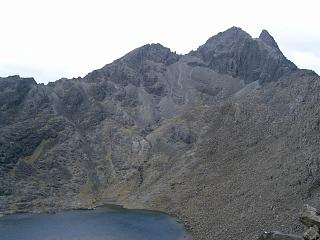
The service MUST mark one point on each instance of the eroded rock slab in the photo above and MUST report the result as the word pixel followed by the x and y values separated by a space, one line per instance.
pixel 279 236
pixel 309 216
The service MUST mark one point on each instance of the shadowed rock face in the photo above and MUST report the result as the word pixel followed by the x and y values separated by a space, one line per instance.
pixel 234 52
pixel 268 39
pixel 225 137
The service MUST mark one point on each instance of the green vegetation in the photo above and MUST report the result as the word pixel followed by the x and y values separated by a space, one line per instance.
pixel 86 190
pixel 38 151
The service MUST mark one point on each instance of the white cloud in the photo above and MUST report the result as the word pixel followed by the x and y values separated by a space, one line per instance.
pixel 67 38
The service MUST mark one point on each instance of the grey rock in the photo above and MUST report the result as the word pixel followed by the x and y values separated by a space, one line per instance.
pixel 231 129
pixel 312 233
pixel 235 52
pixel 268 39
pixel 309 216
pixel 278 236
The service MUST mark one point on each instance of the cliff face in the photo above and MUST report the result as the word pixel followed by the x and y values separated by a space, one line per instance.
pixel 234 52
pixel 225 137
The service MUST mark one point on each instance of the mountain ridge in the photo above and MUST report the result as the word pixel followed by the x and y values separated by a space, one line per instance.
pixel 224 137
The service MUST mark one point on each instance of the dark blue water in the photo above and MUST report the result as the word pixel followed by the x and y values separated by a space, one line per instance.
pixel 100 224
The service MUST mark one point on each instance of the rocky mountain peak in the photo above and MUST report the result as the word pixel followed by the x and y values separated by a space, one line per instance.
pixel 13 90
pixel 228 37
pixel 233 32
pixel 17 78
pixel 16 81
pixel 153 52
pixel 268 39
pixel 236 53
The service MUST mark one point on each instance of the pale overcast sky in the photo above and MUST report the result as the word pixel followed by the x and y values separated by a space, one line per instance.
pixel 51 39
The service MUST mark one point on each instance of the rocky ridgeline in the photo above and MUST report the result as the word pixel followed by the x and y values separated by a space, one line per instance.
pixel 310 218
pixel 230 129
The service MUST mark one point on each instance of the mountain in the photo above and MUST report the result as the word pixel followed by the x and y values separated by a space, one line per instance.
pixel 225 137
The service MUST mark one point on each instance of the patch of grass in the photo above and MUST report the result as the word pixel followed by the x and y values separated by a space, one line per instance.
pixel 86 190
pixel 13 208
pixel 124 189
pixel 37 152
pixel 86 193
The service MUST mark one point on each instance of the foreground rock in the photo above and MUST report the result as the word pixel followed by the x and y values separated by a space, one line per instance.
pixel 309 218
pixel 279 236
pixel 312 233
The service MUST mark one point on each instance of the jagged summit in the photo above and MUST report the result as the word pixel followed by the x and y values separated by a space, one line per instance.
pixel 154 52
pixel 268 39
pixel 236 53
pixel 228 37
pixel 18 78
pixel 233 32
pixel 131 67
pixel 233 52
